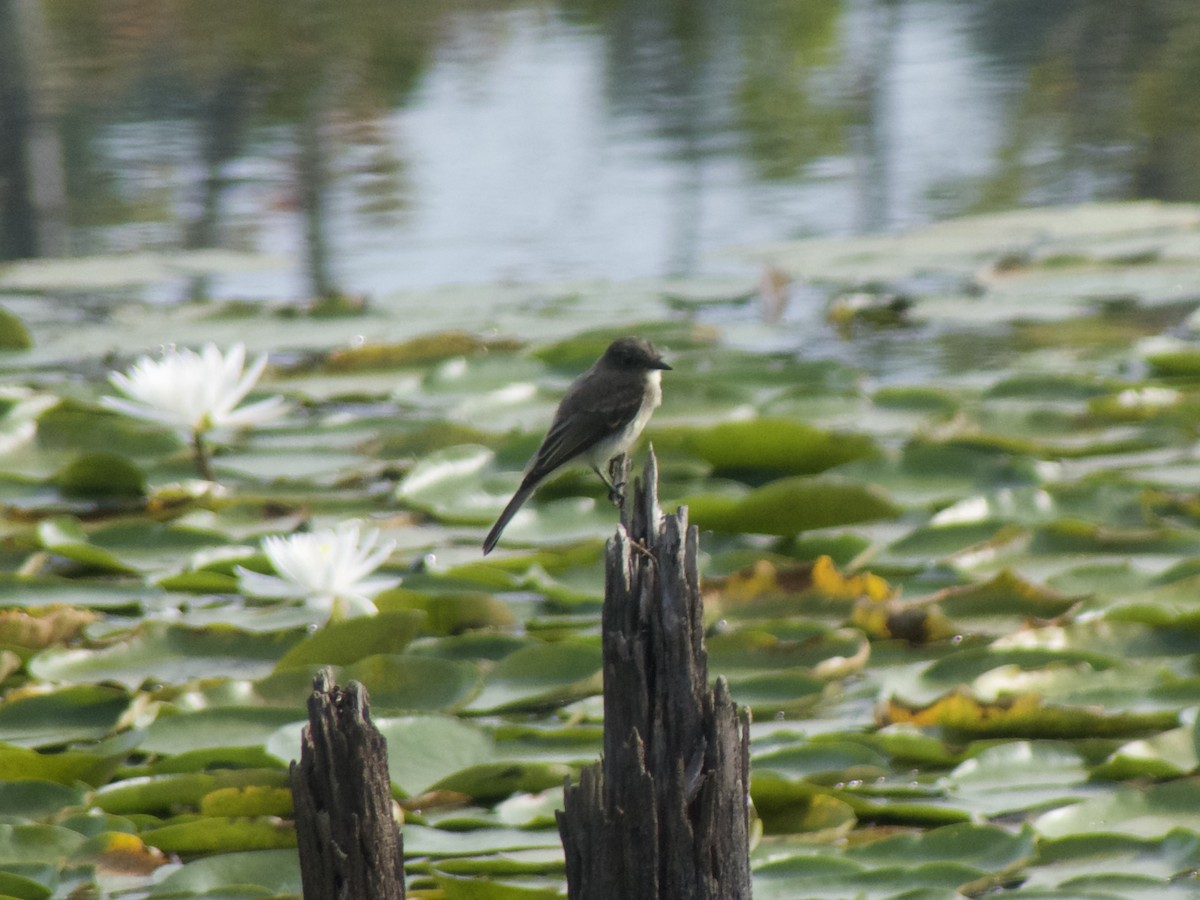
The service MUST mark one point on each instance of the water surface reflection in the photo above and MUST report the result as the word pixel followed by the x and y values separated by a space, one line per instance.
pixel 376 145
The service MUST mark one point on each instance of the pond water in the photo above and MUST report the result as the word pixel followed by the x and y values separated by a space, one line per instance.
pixel 379 147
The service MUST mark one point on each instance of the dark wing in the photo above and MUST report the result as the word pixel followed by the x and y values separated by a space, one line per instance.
pixel 595 408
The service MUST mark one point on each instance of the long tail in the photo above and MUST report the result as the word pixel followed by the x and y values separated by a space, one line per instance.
pixel 517 501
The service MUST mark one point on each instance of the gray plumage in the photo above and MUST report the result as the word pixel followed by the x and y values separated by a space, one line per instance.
pixel 600 416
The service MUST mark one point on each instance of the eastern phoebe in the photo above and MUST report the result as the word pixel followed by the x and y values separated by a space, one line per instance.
pixel 599 418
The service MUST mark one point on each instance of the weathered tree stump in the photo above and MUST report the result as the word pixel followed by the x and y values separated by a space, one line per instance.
pixel 350 845
pixel 664 814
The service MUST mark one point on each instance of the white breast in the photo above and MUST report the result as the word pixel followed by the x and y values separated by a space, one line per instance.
pixel 621 441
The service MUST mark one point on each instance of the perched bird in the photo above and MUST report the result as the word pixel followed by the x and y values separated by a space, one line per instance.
pixel 598 419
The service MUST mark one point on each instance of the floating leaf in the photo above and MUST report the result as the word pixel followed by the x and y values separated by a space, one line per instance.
pixel 64 536
pixel 1019 775
pixel 36 799
pixel 65 767
pixel 76 428
pixel 85 712
pixel 101 474
pixel 821 580
pixel 26 631
pixel 276 871
pixel 988 847
pixel 30 593
pixel 251 800
pixel 167 653
pixel 448 483
pixel 1149 812
pixel 420 351
pixel 118 851
pixel 448 613
pixel 21 888
pixel 37 844
pixel 216 834
pixel 494 781
pixel 541 676
pixel 13 333
pixel 781 446
pixel 969 663
pixel 222 726
pixel 1075 536
pixel 788 807
pixel 1005 594
pixel 821 759
pixel 348 640
pixel 158 793
pixel 423 750
pixel 791 505
pixel 398 683
pixel 1174 364
pixel 1167 755
pixel 1023 716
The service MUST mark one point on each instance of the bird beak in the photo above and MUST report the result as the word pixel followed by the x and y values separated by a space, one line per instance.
pixel 662 365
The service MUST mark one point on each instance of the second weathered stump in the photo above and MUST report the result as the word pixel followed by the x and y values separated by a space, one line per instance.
pixel 350 845
pixel 664 814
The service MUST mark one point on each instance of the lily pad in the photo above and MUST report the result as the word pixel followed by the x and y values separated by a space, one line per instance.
pixel 103 475
pixel 791 505
pixel 166 653
pixel 781 446
pixel 541 676
pixel 339 643
pixel 276 871
pixel 399 683
pixel 1149 812
pixel 84 712
pixel 423 750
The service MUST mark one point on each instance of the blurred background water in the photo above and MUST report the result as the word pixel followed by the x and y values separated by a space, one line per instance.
pixel 375 145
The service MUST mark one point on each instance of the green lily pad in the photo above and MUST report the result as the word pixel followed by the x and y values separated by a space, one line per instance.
pixel 346 641
pixel 12 885
pixel 791 505
pixel 158 793
pixel 66 767
pixel 167 653
pixel 541 676
pixel 448 613
pixel 988 847
pixel 424 750
pixel 276 871
pixel 788 807
pixel 495 781
pixel 84 712
pixel 26 592
pixel 447 484
pixel 14 335
pixel 30 844
pixel 64 536
pixel 102 474
pixel 1019 775
pixel 819 758
pixel 1149 812
pixel 222 726
pixel 73 427
pixel 477 888
pixel 37 799
pixel 1170 754
pixel 401 683
pixel 217 834
pixel 780 446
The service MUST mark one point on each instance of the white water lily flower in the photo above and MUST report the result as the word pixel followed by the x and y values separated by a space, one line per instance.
pixel 327 569
pixel 194 392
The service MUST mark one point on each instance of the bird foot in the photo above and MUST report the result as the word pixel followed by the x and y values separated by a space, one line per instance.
pixel 616 493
